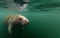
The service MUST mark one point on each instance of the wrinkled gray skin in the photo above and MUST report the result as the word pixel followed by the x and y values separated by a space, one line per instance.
pixel 17 20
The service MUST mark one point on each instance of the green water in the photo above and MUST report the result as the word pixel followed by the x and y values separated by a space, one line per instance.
pixel 44 23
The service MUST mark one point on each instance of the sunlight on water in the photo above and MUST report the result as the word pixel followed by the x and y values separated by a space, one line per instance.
pixel 17 7
pixel 12 6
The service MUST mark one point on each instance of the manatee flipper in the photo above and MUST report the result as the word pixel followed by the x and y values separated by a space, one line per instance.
pixel 10 28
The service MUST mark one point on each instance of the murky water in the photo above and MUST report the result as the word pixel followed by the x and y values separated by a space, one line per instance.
pixel 43 24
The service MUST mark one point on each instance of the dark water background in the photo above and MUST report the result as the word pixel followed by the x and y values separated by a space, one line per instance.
pixel 44 16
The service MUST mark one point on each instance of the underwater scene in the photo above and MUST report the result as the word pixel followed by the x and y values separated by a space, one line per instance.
pixel 43 17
